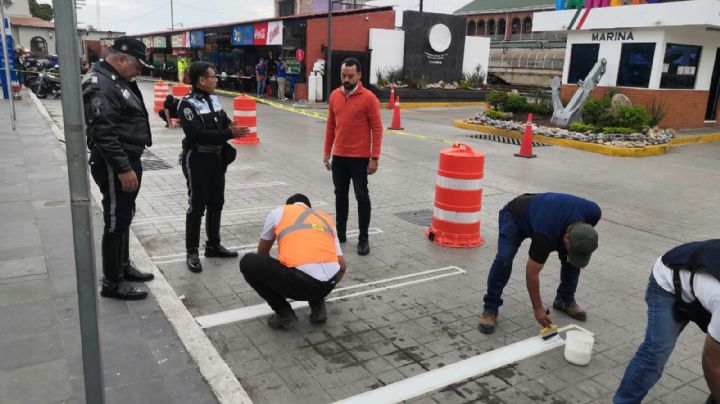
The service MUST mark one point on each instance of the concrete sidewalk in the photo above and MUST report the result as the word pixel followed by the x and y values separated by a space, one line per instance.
pixel 144 361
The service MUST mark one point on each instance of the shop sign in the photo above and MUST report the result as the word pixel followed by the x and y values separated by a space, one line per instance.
pixel 197 39
pixel 243 34
pixel 147 41
pixel 159 42
pixel 275 33
pixel 613 36
pixel 179 40
pixel 260 34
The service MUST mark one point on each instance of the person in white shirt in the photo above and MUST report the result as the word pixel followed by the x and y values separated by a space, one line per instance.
pixel 684 287
pixel 309 265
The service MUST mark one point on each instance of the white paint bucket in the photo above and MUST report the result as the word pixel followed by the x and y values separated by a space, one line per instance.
pixel 578 347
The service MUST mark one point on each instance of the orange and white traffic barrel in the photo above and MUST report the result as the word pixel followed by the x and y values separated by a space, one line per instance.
pixel 458 198
pixel 180 90
pixel 161 92
pixel 245 114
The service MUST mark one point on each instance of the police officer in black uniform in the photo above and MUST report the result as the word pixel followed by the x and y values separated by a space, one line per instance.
pixel 118 131
pixel 205 157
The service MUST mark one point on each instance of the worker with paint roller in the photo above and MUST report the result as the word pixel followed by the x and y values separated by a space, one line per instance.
pixel 554 222
pixel 684 286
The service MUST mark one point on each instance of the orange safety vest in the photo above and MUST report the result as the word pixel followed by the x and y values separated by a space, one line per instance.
pixel 305 236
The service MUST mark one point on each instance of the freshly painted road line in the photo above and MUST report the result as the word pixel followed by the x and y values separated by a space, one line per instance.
pixel 250 312
pixel 438 378
pixel 226 212
pixel 241 249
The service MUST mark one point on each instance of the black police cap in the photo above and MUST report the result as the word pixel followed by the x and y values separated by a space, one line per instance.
pixel 132 47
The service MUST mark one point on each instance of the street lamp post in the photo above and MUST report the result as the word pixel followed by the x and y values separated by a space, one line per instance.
pixel 328 90
pixel 172 18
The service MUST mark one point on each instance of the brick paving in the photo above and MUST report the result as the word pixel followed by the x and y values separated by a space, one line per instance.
pixel 649 205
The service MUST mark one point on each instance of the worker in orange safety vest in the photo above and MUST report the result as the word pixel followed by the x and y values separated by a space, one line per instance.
pixel 309 265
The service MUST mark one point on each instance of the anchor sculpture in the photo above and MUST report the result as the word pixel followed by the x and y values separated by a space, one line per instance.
pixel 564 116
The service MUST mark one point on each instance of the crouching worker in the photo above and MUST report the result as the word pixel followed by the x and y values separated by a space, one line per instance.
pixel 684 287
pixel 310 262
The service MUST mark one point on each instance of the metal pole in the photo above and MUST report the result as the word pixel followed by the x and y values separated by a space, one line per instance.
pixel 7 63
pixel 421 6
pixel 76 150
pixel 328 90
pixel 172 18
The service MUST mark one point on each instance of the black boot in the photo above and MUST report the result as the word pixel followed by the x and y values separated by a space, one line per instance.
pixel 113 283
pixel 192 242
pixel 213 248
pixel 131 273
pixel 318 314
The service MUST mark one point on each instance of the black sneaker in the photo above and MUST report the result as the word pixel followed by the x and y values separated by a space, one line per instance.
pixel 318 314
pixel 284 319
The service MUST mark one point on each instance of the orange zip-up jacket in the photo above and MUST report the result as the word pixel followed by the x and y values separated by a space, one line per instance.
pixel 354 126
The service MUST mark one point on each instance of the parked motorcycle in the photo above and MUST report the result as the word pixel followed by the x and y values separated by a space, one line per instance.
pixel 46 85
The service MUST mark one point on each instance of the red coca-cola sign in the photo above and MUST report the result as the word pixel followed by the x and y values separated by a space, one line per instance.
pixel 261 31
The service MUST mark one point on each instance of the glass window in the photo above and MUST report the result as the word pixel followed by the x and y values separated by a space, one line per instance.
pixel 481 27
pixel 471 28
pixel 491 27
pixel 582 59
pixel 636 60
pixel 680 66
pixel 515 26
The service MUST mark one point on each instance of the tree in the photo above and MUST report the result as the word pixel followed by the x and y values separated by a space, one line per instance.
pixel 43 11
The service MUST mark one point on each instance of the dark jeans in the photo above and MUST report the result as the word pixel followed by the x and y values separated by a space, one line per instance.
pixel 508 243
pixel 161 114
pixel 275 282
pixel 345 169
pixel 205 174
pixel 118 205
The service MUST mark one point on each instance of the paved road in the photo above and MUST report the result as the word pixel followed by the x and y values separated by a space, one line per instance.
pixel 649 205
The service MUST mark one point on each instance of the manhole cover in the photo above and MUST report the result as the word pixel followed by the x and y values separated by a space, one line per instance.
pixel 504 139
pixel 418 217
pixel 151 162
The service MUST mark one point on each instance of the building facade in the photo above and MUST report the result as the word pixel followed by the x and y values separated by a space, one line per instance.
pixel 667 54
pixel 503 20
pixel 285 8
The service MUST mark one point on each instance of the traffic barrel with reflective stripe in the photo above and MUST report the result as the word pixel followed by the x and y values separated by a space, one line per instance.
pixel 458 198
pixel 180 90
pixel 161 92
pixel 244 114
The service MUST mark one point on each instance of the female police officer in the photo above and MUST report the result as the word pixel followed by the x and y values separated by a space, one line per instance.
pixel 206 155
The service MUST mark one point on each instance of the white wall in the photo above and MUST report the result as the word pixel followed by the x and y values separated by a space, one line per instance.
pixel 19 8
pixel 477 52
pixel 611 50
pixel 387 50
pixel 25 34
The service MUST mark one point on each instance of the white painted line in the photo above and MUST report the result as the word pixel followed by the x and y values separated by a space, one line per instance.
pixel 478 365
pixel 226 212
pixel 214 369
pixel 241 249
pixel 259 310
pixel 250 185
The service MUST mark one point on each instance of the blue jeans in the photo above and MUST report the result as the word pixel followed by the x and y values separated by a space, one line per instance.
pixel 662 332
pixel 261 87
pixel 511 236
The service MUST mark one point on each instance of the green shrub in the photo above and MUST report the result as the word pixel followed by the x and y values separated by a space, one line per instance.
pixel 539 109
pixel 515 103
pixel 476 79
pixel 618 130
pixel 631 116
pixel 493 114
pixel 581 127
pixel 596 112
pixel 496 99
pixel 464 85
pixel 657 112
pixel 392 75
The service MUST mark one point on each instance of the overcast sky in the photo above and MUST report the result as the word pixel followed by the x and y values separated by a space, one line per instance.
pixel 139 16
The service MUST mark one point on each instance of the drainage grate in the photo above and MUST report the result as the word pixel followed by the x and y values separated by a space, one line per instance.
pixel 151 162
pixel 504 139
pixel 418 217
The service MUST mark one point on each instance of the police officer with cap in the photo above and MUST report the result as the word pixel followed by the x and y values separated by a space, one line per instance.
pixel 205 157
pixel 118 131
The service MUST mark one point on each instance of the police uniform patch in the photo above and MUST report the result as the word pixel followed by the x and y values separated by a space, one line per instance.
pixel 97 106
pixel 188 114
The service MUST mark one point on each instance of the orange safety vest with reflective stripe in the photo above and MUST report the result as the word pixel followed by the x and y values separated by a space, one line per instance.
pixel 305 236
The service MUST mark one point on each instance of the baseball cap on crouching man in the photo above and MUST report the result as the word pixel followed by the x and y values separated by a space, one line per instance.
pixel 133 47
pixel 583 242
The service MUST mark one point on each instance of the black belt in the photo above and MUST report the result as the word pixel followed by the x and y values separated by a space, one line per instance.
pixel 210 149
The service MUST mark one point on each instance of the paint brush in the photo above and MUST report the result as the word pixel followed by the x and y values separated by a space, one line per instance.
pixel 549 331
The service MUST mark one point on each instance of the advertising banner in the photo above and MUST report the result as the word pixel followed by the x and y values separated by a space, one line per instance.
pixel 179 40
pixel 147 41
pixel 159 42
pixel 243 34
pixel 260 36
pixel 197 39
pixel 275 33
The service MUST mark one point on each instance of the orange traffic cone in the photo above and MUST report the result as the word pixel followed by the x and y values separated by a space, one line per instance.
pixel 391 104
pixel 396 116
pixel 526 145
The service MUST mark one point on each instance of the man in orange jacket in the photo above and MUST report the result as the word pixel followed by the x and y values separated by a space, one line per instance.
pixel 353 135
pixel 310 262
